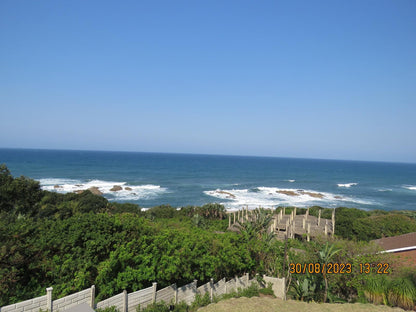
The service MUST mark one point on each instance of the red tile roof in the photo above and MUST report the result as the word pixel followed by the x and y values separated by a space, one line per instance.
pixel 395 242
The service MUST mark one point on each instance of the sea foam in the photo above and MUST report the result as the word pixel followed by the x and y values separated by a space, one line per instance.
pixel 127 191
pixel 346 184
pixel 410 187
pixel 269 197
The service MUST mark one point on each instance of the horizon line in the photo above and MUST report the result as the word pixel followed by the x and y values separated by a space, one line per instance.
pixel 202 154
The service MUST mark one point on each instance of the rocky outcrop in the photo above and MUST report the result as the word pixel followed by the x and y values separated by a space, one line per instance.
pixel 57 186
pixel 287 192
pixel 95 190
pixel 314 195
pixel 229 195
pixel 128 188
pixel 116 188
pixel 300 192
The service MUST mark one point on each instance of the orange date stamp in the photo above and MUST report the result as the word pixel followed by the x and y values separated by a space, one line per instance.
pixel 339 268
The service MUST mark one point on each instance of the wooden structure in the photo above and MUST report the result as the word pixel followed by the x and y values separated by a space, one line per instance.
pixel 290 225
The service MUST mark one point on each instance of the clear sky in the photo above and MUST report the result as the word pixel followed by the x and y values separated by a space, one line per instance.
pixel 314 79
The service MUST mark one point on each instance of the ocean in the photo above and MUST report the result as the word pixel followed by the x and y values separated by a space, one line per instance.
pixel 151 179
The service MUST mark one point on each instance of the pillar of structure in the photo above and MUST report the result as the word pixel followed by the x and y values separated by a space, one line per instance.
pixel 319 217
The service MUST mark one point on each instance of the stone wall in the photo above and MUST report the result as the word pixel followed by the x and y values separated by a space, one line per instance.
pixel 125 302
pixel 31 305
pixel 84 296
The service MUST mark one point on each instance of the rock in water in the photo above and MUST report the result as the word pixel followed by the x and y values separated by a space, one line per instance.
pixel 116 188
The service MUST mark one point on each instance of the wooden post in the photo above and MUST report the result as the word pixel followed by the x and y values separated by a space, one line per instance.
pixel 326 228
pixel 303 223
pixel 319 217
pixel 234 216
pixel 284 210
pixel 309 232
pixel 294 211
pixel 292 230
pixel 229 220
pixel 333 222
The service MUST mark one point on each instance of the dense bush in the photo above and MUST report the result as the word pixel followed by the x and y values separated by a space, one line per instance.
pixel 72 241
pixel 379 226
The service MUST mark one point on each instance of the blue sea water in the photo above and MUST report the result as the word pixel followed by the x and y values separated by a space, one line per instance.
pixel 151 179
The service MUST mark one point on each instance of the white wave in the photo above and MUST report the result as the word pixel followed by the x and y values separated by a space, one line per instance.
pixel 272 196
pixel 123 191
pixel 385 190
pixel 410 187
pixel 291 181
pixel 346 184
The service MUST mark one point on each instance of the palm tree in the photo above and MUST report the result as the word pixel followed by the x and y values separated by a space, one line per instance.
pixel 325 256
pixel 258 225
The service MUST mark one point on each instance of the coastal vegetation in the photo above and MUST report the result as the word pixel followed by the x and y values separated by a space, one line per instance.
pixel 72 241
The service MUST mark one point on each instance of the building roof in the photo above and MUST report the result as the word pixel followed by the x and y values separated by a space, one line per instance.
pixel 398 243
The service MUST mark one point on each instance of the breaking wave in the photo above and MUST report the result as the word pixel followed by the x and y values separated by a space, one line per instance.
pixel 346 184
pixel 112 190
pixel 269 197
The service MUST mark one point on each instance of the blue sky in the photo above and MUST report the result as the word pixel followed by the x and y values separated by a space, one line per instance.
pixel 314 79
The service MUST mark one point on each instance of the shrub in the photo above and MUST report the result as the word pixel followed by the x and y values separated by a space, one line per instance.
pixel 268 291
pixel 201 301
pixel 250 291
pixel 154 307
pixel 108 309
pixel 402 293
